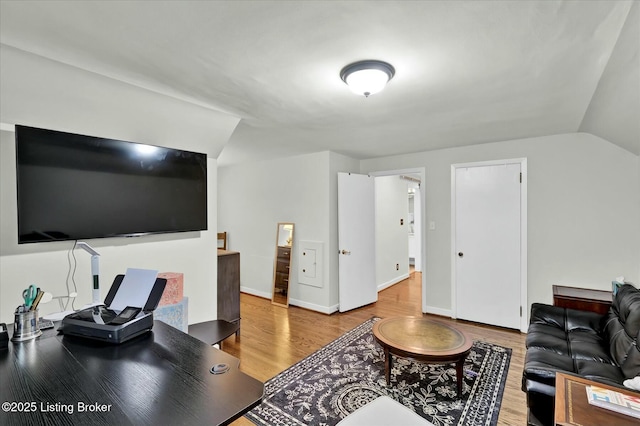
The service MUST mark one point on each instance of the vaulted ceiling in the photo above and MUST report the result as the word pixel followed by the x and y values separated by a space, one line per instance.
pixel 467 72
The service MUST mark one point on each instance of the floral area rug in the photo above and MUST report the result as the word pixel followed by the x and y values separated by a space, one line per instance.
pixel 349 372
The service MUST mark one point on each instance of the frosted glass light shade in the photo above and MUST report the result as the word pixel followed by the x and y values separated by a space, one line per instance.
pixel 367 77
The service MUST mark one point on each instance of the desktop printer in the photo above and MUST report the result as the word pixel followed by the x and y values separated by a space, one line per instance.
pixel 114 322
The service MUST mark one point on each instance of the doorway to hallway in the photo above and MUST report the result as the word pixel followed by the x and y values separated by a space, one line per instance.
pixel 412 179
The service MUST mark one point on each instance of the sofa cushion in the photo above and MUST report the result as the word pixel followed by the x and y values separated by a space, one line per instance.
pixel 587 321
pixel 547 315
pixel 599 372
pixel 541 330
pixel 621 326
pixel 588 345
pixel 548 338
pixel 565 319
pixel 568 332
pixel 540 365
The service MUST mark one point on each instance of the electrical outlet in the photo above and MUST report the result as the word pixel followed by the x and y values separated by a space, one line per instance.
pixel 397 266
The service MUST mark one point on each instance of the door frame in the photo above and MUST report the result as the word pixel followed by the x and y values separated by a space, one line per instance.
pixel 423 217
pixel 524 317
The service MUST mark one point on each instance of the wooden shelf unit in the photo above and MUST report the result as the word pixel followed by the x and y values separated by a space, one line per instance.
pixel 583 299
pixel 229 287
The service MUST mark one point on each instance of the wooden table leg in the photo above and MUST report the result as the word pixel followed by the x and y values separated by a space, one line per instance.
pixel 387 366
pixel 459 374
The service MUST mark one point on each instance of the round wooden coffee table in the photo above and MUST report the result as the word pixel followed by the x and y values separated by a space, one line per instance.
pixel 422 339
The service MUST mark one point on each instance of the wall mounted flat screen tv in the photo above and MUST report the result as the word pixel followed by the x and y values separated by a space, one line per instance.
pixel 73 187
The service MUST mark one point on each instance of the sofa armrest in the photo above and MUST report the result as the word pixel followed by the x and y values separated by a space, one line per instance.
pixel 631 366
pixel 540 403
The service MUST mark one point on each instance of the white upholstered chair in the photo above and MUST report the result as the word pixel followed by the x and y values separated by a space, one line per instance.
pixel 384 411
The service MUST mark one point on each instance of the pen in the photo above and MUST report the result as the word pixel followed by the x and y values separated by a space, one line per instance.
pixel 34 306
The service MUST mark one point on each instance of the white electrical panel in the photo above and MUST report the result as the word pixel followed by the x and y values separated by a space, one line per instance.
pixel 310 263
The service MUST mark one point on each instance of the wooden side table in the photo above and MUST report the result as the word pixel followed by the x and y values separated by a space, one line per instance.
pixel 573 409
pixel 423 340
pixel 583 299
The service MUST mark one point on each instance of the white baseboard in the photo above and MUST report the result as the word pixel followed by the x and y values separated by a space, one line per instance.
pixel 438 311
pixel 313 307
pixel 396 280
pixel 254 292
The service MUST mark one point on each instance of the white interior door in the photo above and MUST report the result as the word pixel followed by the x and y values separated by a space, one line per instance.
pixel 356 241
pixel 487 244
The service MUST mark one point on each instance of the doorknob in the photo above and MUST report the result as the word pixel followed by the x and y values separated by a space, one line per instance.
pixel 345 252
pixel 460 254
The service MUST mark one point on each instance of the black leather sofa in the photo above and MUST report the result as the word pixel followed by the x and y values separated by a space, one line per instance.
pixel 604 348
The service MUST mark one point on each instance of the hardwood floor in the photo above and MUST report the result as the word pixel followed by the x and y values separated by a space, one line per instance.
pixel 274 338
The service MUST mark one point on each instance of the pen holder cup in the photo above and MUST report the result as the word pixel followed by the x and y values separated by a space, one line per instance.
pixel 25 326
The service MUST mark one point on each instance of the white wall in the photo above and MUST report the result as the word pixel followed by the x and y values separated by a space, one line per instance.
pixel 39 92
pixel 583 209
pixel 613 111
pixel 392 237
pixel 254 197
pixel 43 93
pixel 584 204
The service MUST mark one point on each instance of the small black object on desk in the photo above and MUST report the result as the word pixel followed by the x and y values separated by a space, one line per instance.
pixel 4 336
pixel 219 369
pixel 102 323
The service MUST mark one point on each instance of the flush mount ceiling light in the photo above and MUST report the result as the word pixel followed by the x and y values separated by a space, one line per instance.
pixel 367 77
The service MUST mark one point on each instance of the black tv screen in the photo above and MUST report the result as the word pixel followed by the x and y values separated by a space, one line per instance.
pixel 73 187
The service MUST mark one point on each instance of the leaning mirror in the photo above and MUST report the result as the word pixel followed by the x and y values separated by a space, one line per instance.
pixel 282 264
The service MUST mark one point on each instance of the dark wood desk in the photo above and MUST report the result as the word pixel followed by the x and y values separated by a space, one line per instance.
pixel 583 299
pixel 573 409
pixel 161 378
